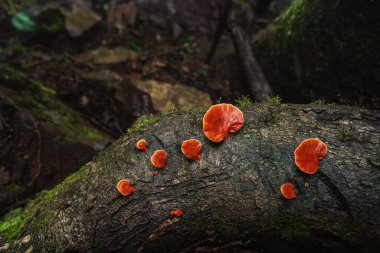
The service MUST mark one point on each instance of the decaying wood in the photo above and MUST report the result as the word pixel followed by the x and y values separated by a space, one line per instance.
pixel 231 195
pixel 257 84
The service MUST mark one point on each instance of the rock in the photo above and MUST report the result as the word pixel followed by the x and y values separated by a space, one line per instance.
pixel 123 14
pixel 165 96
pixel 80 19
pixel 105 55
pixel 102 75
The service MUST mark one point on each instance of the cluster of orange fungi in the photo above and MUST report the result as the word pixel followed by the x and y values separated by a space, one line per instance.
pixel 307 157
pixel 218 123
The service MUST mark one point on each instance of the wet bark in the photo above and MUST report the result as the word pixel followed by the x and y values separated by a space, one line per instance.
pixel 230 195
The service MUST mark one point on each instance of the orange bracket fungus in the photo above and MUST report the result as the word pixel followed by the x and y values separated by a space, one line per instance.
pixel 308 154
pixel 221 120
pixel 142 145
pixel 192 149
pixel 177 212
pixel 288 191
pixel 125 187
pixel 159 159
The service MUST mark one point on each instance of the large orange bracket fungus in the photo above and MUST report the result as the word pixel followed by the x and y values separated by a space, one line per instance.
pixel 308 154
pixel 192 149
pixel 221 120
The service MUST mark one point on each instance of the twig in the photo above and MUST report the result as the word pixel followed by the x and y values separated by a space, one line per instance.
pixel 222 25
pixel 257 84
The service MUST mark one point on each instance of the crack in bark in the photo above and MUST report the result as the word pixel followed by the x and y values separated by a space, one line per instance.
pixel 337 193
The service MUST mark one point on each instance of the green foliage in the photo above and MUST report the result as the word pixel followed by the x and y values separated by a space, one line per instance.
pixel 23 22
pixel 142 122
pixel 269 118
pixel 136 47
pixel 202 72
pixel 323 102
pixel 243 102
pixel 319 102
pixel 274 100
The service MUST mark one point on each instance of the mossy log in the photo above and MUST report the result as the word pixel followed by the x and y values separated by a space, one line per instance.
pixel 323 49
pixel 229 197
pixel 42 140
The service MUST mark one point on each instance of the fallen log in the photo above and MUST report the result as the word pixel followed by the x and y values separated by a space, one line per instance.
pixel 229 197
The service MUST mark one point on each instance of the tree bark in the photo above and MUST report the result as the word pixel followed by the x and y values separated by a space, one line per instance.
pixel 323 49
pixel 231 195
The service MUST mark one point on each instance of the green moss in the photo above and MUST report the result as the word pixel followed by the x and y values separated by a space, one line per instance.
pixel 243 102
pixel 321 102
pixel 45 106
pixel 142 122
pixel 16 221
pixel 274 100
pixel 269 118
pixel 12 224
pixel 313 48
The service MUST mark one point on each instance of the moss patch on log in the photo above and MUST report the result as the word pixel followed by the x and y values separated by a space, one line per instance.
pixel 42 102
pixel 324 50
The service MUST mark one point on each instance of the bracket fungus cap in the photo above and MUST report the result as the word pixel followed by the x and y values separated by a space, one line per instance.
pixel 192 149
pixel 288 191
pixel 221 120
pixel 142 145
pixel 125 188
pixel 159 159
pixel 308 154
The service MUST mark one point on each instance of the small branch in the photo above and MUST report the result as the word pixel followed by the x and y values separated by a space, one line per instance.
pixel 219 30
pixel 257 84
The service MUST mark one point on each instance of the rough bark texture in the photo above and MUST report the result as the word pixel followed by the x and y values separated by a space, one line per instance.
pixel 231 194
pixel 323 49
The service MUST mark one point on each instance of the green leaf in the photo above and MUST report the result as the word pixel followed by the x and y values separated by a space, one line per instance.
pixel 23 22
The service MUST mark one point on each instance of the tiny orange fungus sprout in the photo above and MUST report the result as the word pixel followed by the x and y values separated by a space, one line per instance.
pixel 125 188
pixel 142 145
pixel 288 191
pixel 177 212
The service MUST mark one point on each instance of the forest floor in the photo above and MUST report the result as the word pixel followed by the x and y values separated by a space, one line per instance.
pixel 113 63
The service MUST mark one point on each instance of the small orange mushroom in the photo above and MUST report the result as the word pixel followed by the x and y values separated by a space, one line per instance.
pixel 177 212
pixel 159 159
pixel 308 154
pixel 288 191
pixel 156 172
pixel 142 145
pixel 192 149
pixel 221 120
pixel 125 188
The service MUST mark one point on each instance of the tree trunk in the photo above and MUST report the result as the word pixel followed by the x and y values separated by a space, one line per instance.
pixel 323 49
pixel 232 195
